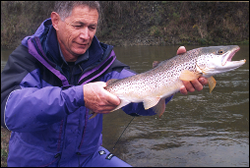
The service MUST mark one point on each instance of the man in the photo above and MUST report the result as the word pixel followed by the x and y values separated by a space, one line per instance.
pixel 50 83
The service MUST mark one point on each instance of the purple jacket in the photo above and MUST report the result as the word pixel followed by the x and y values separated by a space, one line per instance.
pixel 42 103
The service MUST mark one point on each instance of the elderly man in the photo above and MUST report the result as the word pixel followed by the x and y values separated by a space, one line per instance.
pixel 51 82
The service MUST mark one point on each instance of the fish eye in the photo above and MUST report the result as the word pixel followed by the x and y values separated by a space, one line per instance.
pixel 220 52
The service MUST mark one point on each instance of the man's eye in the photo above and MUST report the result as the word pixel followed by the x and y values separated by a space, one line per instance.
pixel 92 28
pixel 77 25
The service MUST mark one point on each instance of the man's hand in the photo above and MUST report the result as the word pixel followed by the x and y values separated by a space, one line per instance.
pixel 99 100
pixel 196 84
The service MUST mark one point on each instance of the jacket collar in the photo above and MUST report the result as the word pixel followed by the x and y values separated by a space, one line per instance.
pixel 48 39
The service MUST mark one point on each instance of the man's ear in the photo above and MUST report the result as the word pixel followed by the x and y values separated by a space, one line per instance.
pixel 55 18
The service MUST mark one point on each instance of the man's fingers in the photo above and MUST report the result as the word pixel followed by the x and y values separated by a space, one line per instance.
pixel 197 85
pixel 112 99
pixel 181 50
pixel 183 90
pixel 189 86
pixel 99 100
pixel 203 80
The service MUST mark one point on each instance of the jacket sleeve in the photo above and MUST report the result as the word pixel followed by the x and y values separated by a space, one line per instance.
pixel 135 109
pixel 28 103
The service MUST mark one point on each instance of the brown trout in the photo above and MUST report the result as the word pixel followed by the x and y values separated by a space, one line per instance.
pixel 165 79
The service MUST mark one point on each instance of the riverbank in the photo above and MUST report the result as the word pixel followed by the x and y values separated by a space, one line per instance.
pixel 160 41
pixel 151 41
pixel 141 23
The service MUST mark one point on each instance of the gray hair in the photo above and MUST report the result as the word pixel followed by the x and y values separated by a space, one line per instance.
pixel 64 8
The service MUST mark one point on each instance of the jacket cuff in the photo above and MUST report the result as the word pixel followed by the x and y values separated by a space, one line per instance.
pixel 73 97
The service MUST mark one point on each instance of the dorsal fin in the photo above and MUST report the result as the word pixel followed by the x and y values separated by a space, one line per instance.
pixel 155 63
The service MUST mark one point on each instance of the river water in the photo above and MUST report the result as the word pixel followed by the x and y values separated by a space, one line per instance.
pixel 198 129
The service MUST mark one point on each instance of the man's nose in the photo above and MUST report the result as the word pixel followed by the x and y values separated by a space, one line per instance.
pixel 84 33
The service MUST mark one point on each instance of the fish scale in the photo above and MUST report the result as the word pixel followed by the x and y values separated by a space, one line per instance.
pixel 153 86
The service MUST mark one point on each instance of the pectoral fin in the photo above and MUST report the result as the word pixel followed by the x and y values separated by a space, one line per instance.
pixel 187 75
pixel 211 83
pixel 150 102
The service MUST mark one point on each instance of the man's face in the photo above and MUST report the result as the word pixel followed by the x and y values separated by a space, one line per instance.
pixel 76 32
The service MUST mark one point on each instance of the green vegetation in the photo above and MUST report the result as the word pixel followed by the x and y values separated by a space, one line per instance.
pixel 123 23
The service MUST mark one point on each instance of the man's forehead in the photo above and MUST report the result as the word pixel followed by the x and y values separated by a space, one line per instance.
pixel 80 13
pixel 85 10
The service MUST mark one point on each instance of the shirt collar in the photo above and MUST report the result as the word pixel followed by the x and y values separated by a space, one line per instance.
pixel 81 58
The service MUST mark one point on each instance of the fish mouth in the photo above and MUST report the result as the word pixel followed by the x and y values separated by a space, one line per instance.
pixel 229 56
pixel 228 64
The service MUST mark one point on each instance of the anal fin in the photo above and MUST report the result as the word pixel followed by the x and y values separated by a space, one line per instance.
pixel 160 107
